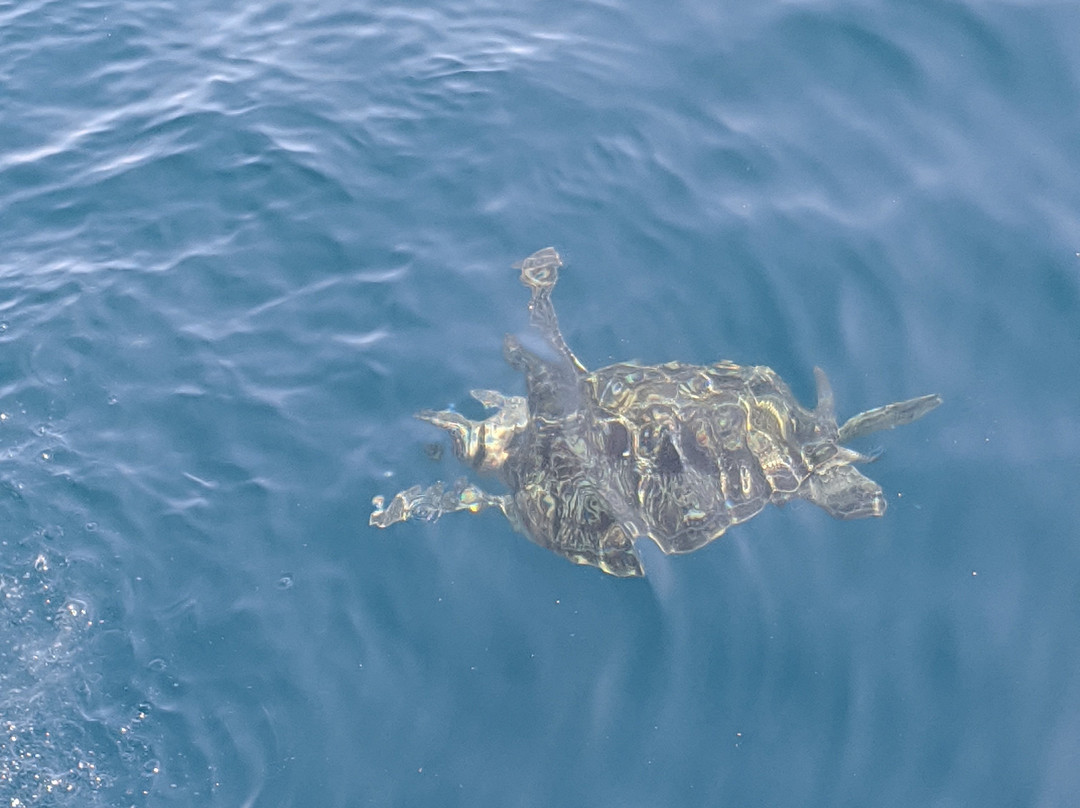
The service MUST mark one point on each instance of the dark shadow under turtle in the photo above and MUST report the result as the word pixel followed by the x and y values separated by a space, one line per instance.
pixel 676 453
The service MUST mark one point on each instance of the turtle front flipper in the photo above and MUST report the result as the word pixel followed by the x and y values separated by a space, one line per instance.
pixel 540 272
pixel 554 387
pixel 897 414
pixel 431 503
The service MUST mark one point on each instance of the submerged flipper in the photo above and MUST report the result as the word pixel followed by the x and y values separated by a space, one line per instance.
pixel 897 414
pixel 431 503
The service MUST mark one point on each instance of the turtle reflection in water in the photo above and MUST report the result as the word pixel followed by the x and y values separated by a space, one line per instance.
pixel 676 453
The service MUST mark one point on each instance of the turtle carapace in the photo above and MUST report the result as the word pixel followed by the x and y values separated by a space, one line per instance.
pixel 673 453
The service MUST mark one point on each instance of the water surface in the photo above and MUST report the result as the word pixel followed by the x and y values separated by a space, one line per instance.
pixel 243 242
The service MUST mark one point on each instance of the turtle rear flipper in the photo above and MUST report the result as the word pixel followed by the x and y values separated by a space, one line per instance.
pixel 897 414
pixel 431 503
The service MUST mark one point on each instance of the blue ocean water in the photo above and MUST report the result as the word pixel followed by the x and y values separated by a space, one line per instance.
pixel 243 242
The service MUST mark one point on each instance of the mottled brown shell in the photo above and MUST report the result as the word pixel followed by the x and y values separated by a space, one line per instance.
pixel 676 453
pixel 698 449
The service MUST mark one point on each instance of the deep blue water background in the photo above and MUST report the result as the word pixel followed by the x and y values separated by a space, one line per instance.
pixel 240 243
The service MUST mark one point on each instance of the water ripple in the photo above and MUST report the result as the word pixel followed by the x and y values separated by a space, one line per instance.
pixel 243 242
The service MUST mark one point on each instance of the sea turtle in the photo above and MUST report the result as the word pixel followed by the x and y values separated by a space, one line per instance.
pixel 677 453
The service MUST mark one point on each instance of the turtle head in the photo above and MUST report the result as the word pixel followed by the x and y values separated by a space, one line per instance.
pixel 843 492
pixel 834 484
